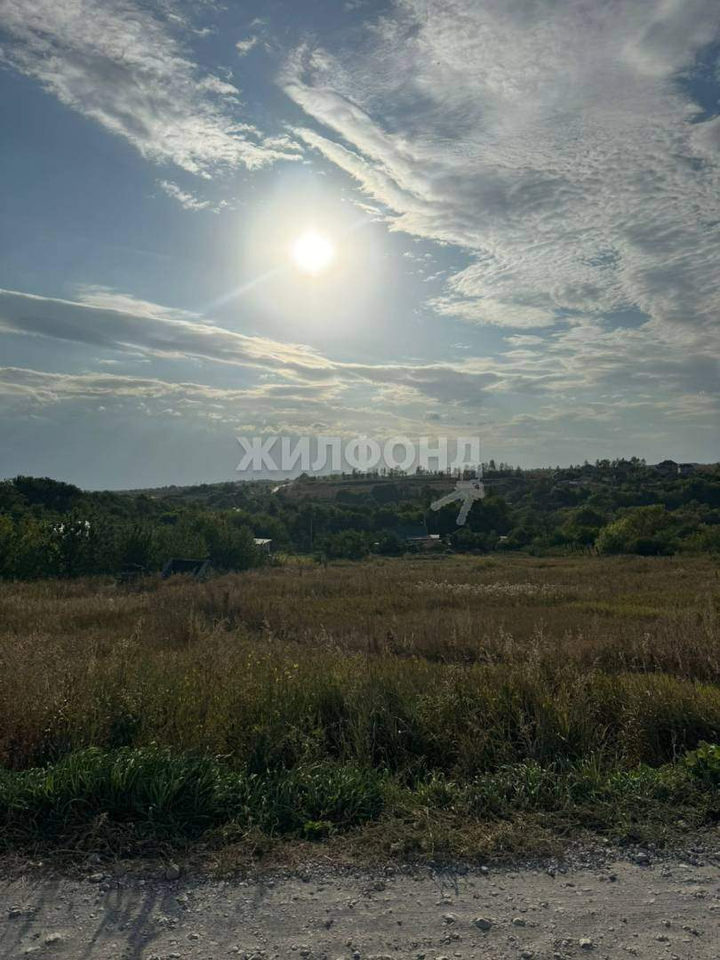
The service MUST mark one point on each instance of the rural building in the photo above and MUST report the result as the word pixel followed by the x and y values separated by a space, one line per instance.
pixel 668 468
pixel 262 543
pixel 416 535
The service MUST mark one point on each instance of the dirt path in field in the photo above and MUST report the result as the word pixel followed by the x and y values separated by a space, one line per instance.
pixel 668 909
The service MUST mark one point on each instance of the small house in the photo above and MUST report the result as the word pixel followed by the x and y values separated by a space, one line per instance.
pixel 668 468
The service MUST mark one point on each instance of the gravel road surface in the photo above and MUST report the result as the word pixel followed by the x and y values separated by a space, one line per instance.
pixel 668 909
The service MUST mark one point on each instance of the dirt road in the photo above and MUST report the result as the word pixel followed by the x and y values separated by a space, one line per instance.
pixel 668 909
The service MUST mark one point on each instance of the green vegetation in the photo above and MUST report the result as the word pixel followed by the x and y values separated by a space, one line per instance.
pixel 147 795
pixel 169 796
pixel 705 762
pixel 416 706
pixel 51 529
pixel 67 533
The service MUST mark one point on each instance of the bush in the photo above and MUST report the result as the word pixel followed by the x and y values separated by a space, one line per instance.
pixel 231 547
pixel 391 545
pixel 706 540
pixel 704 763
pixel 647 531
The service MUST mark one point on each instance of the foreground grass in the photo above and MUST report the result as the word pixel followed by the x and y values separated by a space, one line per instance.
pixel 143 800
pixel 428 705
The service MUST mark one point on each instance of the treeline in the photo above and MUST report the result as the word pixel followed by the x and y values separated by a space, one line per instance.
pixel 54 529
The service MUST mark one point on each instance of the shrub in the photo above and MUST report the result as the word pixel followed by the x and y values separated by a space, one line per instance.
pixel 704 763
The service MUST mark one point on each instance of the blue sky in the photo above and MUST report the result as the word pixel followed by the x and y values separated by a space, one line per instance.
pixel 523 197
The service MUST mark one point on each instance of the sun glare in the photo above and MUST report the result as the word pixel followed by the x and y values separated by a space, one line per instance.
pixel 313 253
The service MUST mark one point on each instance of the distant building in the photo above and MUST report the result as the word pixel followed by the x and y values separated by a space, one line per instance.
pixel 262 543
pixel 668 468
pixel 416 535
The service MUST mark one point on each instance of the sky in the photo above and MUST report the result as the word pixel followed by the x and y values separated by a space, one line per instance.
pixel 521 197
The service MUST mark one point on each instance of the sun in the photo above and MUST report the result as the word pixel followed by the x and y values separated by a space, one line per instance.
pixel 313 253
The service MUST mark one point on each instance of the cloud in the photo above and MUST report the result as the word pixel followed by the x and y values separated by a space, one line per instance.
pixel 492 312
pixel 136 404
pixel 581 367
pixel 663 359
pixel 119 322
pixel 103 318
pixel 706 137
pixel 290 409
pixel 187 200
pixel 244 47
pixel 49 388
pixel 460 384
pixel 118 63
pixel 553 142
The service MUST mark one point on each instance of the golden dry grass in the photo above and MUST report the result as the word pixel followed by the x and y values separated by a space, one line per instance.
pixel 449 692
pixel 193 664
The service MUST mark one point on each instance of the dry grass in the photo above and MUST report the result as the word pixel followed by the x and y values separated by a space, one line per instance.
pixel 592 665
pixel 598 601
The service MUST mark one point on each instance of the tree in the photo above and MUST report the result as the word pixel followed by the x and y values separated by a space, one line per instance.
pixel 229 546
pixel 464 539
pixel 49 494
pixel 347 545
pixel 582 526
pixel 390 544
pixel 643 530
pixel 137 546
pixel 84 544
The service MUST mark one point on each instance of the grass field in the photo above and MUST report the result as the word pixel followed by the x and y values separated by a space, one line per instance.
pixel 453 706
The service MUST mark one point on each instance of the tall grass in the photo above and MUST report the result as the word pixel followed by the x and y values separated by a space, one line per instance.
pixel 173 796
pixel 307 699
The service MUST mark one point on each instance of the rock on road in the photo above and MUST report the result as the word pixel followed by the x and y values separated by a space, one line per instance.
pixel 668 909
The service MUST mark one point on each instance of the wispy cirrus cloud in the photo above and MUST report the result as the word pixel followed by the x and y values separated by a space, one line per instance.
pixel 28 394
pixel 120 63
pixel 49 388
pixel 188 200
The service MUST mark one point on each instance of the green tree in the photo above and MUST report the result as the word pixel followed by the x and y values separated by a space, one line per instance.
pixel 231 547
pixel 137 546
pixel 390 544
pixel 582 526
pixel 644 530
pixel 346 545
